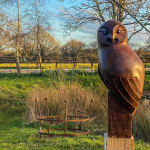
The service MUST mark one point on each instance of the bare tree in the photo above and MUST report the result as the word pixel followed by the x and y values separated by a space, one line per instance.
pixel 37 21
pixel 4 31
pixel 148 44
pixel 132 13
pixel 72 49
pixel 17 2
pixel 47 44
pixel 18 39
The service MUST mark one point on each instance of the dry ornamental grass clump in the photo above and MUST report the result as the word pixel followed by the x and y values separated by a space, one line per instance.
pixel 50 101
pixel 141 123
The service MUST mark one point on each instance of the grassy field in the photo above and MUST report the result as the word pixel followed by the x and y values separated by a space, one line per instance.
pixel 147 65
pixel 16 133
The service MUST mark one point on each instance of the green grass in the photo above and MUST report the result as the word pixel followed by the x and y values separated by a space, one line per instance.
pixel 147 65
pixel 15 88
pixel 147 81
pixel 17 134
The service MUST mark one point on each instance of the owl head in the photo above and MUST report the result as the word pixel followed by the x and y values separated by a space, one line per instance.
pixel 112 33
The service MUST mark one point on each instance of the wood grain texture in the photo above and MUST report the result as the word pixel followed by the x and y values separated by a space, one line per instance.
pixel 119 118
pixel 123 73
pixel 120 144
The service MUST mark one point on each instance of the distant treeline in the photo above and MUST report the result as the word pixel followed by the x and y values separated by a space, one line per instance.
pixel 71 52
pixel 84 56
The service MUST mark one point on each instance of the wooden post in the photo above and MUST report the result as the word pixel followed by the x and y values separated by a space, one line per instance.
pixel 76 110
pixel 119 126
pixel 119 118
pixel 66 116
pixel 91 66
pixel 118 143
pixel 39 111
pixel 74 65
pixel 56 65
pixel 48 122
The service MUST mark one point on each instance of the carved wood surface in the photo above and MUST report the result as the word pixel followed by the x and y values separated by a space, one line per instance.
pixel 123 73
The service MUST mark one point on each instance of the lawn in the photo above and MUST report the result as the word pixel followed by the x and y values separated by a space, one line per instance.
pixel 147 65
pixel 15 131
pixel 16 134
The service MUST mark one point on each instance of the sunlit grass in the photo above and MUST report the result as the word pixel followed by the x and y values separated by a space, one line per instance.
pixel 147 65
pixel 17 135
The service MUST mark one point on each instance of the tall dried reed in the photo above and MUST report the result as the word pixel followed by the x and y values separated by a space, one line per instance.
pixel 50 101
pixel 141 123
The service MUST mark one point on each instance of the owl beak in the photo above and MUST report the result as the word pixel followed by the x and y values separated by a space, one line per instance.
pixel 115 40
pixel 109 38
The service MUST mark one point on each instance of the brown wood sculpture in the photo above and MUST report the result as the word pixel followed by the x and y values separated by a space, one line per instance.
pixel 123 73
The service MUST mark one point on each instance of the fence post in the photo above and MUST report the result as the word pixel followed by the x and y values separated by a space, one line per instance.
pixel 66 123
pixel 91 66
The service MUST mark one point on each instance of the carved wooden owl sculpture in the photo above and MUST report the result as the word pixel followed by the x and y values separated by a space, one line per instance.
pixel 122 72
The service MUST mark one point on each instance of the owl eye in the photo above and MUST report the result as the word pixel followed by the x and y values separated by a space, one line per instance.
pixel 104 31
pixel 118 31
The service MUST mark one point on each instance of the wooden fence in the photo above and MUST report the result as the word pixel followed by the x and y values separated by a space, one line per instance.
pixel 30 66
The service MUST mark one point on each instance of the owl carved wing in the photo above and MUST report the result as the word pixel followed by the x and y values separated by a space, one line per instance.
pixel 128 91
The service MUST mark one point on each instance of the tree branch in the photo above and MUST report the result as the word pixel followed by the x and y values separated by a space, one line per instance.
pixel 143 26
pixel 135 33
pixel 98 7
